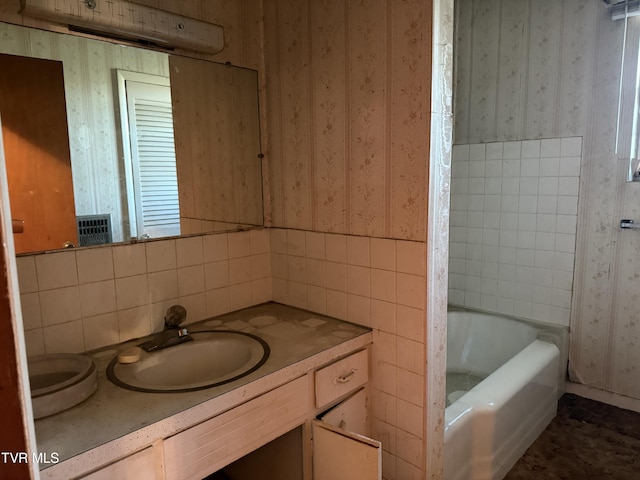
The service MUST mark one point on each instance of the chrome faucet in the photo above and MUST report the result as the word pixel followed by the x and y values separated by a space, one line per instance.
pixel 172 333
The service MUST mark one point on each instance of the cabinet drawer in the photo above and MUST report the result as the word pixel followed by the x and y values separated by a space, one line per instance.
pixel 213 444
pixel 139 466
pixel 341 377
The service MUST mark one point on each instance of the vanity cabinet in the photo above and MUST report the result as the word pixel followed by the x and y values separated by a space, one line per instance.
pixel 211 445
pixel 319 420
pixel 310 421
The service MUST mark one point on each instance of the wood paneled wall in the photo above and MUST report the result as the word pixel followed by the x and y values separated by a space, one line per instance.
pixel 347 105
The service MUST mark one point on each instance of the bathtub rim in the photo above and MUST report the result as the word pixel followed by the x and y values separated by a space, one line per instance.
pixel 547 332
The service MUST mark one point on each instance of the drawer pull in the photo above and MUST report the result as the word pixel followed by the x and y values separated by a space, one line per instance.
pixel 345 378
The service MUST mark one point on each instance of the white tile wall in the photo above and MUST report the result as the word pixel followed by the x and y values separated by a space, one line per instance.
pixel 513 224
pixel 375 282
pixel 370 281
pixel 102 296
pixel 347 272
pixel 79 300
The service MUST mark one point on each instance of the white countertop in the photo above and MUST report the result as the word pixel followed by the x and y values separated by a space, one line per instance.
pixel 115 421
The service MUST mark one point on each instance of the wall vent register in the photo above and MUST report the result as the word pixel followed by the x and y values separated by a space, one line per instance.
pixel 94 230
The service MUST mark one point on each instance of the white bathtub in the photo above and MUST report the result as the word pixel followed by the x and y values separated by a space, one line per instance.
pixel 489 427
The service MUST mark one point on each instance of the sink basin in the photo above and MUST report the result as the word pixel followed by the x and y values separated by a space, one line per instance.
pixel 60 381
pixel 213 358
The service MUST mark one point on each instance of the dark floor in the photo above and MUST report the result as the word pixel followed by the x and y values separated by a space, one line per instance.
pixel 587 440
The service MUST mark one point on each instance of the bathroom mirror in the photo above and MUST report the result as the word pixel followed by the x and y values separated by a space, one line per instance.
pixel 117 164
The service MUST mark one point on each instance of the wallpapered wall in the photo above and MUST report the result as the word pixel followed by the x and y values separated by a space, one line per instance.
pixel 348 89
pixel 530 70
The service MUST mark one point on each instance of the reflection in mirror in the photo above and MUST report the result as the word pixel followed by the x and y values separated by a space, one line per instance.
pixel 147 134
pixel 215 109
pixel 36 148
pixel 215 122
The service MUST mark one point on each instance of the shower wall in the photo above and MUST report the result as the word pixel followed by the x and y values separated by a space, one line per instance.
pixel 513 223
pixel 529 70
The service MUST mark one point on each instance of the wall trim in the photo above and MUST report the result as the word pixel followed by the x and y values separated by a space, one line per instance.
pixel 439 181
pixel 610 398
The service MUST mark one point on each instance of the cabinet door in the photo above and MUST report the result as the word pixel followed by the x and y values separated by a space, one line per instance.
pixel 350 414
pixel 339 454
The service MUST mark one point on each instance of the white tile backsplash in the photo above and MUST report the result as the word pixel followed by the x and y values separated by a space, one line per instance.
pixel 60 305
pixel 383 285
pixel 259 241
pixel 31 316
pixel 64 338
pixel 359 280
pixel 239 270
pixel 163 285
pixel 315 269
pixel 56 270
pixel 336 276
pixel 132 291
pixel 358 251
pixel 260 266
pixel 134 322
pixel 161 256
pixel 336 248
pixel 189 251
pixel 278 240
pixel 261 290
pixel 383 253
pixel 191 280
pixel 34 339
pixel 27 277
pixel 376 282
pixel 215 248
pixel 129 260
pixel 315 245
pixel 94 265
pixel 513 226
pixel 216 274
pixel 240 244
pixel 296 242
pixel 100 330
pixel 97 298
pixel 217 301
pixel 410 257
pixel 122 292
pixel 240 296
pixel 297 269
